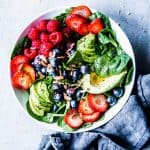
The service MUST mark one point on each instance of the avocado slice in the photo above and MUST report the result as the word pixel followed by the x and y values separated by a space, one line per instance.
pixel 37 99
pixel 38 105
pixel 35 109
pixel 42 91
pixel 102 85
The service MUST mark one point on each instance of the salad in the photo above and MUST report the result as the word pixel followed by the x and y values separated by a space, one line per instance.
pixel 72 67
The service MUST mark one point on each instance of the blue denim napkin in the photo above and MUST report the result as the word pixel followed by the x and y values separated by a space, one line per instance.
pixel 129 129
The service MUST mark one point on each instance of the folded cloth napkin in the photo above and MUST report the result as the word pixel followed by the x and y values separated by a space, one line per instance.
pixel 129 129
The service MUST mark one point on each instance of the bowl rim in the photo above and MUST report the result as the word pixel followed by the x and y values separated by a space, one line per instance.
pixel 48 11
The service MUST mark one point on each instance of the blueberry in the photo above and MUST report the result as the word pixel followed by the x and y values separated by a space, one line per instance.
pixel 54 108
pixel 52 72
pixel 38 68
pixel 112 100
pixel 70 92
pixel 65 74
pixel 57 52
pixel 79 94
pixel 53 62
pixel 75 75
pixel 43 70
pixel 84 69
pixel 73 104
pixel 57 87
pixel 72 52
pixel 118 92
pixel 57 97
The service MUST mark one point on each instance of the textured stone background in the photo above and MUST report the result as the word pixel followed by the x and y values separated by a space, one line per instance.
pixel 17 131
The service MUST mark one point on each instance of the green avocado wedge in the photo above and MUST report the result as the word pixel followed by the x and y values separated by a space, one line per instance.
pixel 104 85
pixel 35 109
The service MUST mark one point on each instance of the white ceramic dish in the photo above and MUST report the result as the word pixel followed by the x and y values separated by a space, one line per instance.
pixel 22 97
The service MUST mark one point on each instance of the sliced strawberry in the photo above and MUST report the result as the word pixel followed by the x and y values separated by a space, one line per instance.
pixel 91 118
pixel 28 69
pixel 73 119
pixel 21 80
pixel 98 102
pixel 84 108
pixel 83 29
pixel 82 10
pixel 74 21
pixel 17 60
pixel 96 26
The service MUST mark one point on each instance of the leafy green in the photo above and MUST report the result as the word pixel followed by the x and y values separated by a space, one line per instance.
pixel 103 17
pixel 21 44
pixel 63 16
pixel 129 75
pixel 75 58
pixel 107 66
pixel 107 36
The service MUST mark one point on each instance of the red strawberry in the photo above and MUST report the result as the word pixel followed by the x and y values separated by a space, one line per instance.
pixel 36 44
pixel 30 53
pixel 45 49
pixel 53 25
pixel 44 37
pixel 74 21
pixel 33 34
pixel 82 10
pixel 73 119
pixel 83 29
pixel 96 26
pixel 42 25
pixel 55 37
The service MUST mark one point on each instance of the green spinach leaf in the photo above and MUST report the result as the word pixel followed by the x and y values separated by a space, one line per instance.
pixel 21 44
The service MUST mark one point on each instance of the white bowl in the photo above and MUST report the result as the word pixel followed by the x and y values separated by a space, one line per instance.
pixel 22 97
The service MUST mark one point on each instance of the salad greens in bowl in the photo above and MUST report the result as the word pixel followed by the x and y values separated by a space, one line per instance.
pixel 72 69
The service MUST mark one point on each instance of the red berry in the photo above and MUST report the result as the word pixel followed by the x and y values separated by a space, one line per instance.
pixel 74 21
pixel 83 29
pixel 30 53
pixel 42 25
pixel 36 44
pixel 96 26
pixel 33 34
pixel 55 37
pixel 44 37
pixel 53 25
pixel 45 49
pixel 67 32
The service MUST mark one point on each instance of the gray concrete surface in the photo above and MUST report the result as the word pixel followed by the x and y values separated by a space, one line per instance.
pixel 17 131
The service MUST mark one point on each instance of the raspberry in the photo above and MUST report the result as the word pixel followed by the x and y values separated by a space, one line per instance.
pixel 45 49
pixel 30 53
pixel 42 25
pixel 36 44
pixel 55 37
pixel 33 34
pixel 53 25
pixel 44 37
